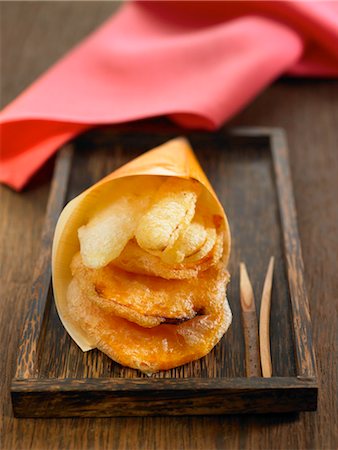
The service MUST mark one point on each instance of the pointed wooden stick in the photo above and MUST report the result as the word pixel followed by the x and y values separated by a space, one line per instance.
pixel 250 325
pixel 264 322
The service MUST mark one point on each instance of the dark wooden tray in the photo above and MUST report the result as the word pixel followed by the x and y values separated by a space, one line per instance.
pixel 249 170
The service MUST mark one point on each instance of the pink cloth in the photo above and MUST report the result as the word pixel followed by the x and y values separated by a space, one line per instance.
pixel 196 62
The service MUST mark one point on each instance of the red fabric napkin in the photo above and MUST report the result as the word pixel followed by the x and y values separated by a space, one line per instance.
pixel 197 62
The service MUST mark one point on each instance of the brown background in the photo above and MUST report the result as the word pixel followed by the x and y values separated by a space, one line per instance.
pixel 34 35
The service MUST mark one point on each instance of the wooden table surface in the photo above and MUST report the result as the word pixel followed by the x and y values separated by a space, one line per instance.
pixel 35 34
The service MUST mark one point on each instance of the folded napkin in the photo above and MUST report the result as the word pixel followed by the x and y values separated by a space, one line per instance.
pixel 197 62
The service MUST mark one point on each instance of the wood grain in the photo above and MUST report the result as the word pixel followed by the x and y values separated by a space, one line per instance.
pixel 308 110
pixel 305 358
pixel 250 325
pixel 140 397
pixel 34 327
pixel 88 167
pixel 264 322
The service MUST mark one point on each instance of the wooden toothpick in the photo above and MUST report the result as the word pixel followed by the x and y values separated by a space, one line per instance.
pixel 264 322
pixel 250 325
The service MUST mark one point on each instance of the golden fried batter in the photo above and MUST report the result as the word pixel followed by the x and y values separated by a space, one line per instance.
pixel 159 348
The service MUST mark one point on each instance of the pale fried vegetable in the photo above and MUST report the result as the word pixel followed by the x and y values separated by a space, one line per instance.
pixel 106 235
pixel 211 236
pixel 190 240
pixel 136 260
pixel 172 210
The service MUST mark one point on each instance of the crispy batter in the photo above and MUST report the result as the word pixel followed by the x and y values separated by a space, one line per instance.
pixel 209 244
pixel 136 260
pixel 190 240
pixel 159 348
pixel 113 222
pixel 171 211
pixel 106 235
pixel 142 299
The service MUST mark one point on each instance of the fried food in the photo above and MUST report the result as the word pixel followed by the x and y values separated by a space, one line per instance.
pixel 106 235
pixel 189 241
pixel 172 210
pixel 143 299
pixel 159 348
pixel 139 263
pixel 209 244
pixel 135 260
